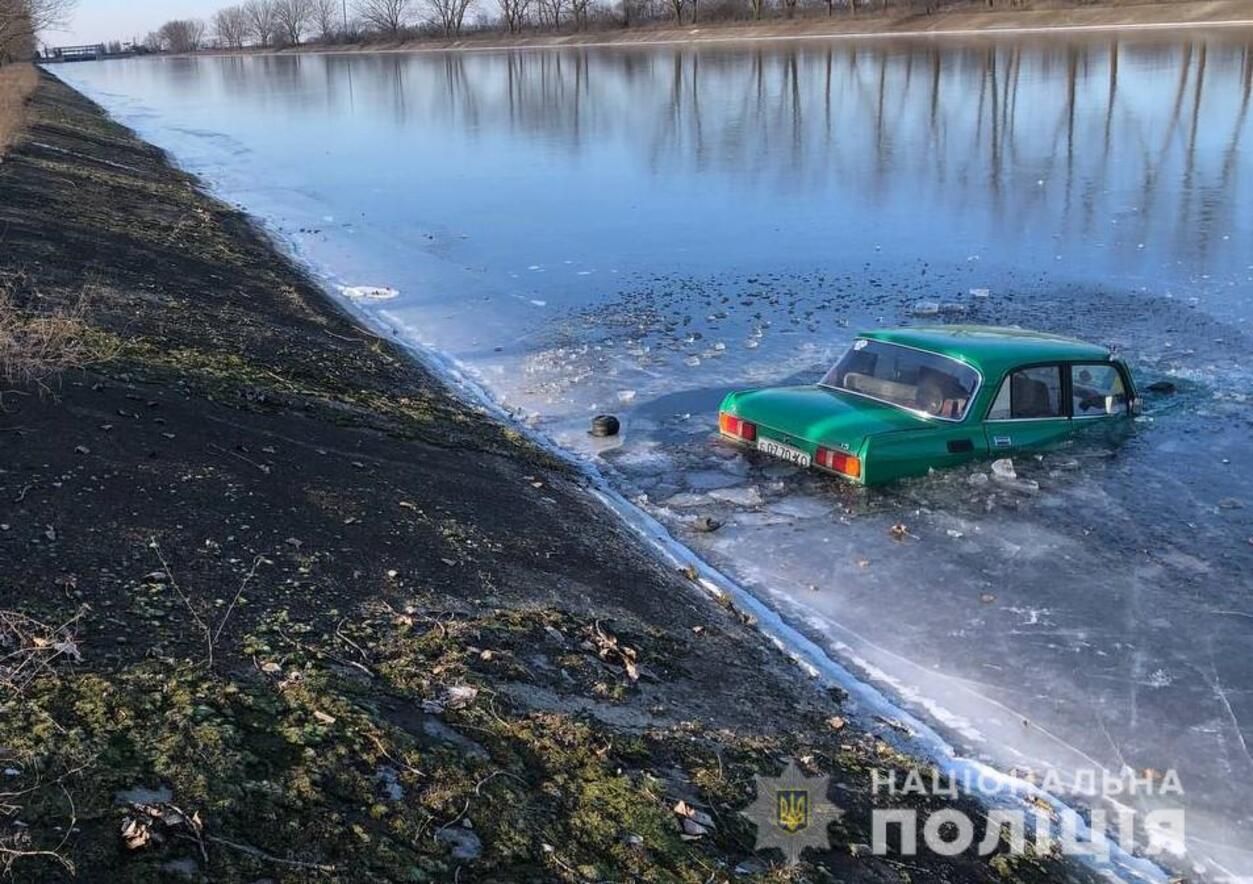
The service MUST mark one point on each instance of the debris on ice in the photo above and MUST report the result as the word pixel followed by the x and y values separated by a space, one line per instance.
pixel 368 292
pixel 749 496
pixel 1004 469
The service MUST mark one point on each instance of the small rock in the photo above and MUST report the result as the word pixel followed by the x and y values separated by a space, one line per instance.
pixel 836 723
pixel 555 634
pixel 465 844
pixel 899 531
pixel 389 784
pixel 751 866
pixel 82 449
pixel 706 524
pixel 700 821
pixel 1004 469
pixel 693 829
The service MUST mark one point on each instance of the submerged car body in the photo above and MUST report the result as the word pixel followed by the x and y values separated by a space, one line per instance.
pixel 904 401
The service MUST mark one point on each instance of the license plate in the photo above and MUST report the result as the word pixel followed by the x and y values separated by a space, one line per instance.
pixel 783 452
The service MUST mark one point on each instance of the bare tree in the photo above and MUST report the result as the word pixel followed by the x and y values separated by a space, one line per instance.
pixel 231 26
pixel 514 13
pixel 550 12
pixel 677 6
pixel 388 16
pixel 327 18
pixel 22 20
pixel 182 35
pixel 449 15
pixel 262 23
pixel 292 17
pixel 578 11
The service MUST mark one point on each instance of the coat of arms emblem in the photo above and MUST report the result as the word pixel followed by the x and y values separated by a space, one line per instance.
pixel 792 812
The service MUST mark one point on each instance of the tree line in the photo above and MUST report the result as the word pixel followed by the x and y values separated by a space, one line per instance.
pixel 283 23
pixel 22 20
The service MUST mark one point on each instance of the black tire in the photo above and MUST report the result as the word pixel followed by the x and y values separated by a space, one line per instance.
pixel 605 425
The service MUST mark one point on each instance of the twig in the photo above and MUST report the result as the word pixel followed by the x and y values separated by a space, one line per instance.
pixel 211 635
pixel 378 744
pixel 218 449
pixel 239 592
pixel 318 652
pixel 261 854
pixel 346 640
pixel 169 572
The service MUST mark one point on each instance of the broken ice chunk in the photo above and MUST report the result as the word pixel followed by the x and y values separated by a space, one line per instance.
pixel 749 496
pixel 368 292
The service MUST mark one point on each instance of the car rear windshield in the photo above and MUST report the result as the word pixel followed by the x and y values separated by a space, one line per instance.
pixel 913 379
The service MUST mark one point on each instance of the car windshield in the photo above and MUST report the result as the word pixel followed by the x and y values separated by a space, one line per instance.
pixel 903 376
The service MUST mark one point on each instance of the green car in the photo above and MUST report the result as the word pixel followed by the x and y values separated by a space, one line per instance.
pixel 902 402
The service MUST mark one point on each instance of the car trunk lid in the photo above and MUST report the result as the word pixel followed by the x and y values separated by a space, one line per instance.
pixel 806 416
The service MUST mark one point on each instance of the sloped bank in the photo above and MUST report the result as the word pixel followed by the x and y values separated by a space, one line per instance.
pixel 333 621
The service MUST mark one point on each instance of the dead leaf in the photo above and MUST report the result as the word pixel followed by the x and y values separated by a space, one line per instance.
pixel 136 833
pixel 459 696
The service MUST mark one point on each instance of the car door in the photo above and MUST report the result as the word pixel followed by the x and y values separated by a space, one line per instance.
pixel 1100 400
pixel 1029 411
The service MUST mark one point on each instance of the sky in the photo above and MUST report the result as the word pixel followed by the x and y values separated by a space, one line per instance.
pixel 97 21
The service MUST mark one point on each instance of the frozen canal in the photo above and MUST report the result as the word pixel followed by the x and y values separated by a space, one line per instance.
pixel 640 230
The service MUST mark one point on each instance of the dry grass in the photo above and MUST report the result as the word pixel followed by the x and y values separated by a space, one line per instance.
pixel 17 82
pixel 29 648
pixel 35 347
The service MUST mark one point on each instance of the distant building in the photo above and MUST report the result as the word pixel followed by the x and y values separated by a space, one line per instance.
pixel 75 53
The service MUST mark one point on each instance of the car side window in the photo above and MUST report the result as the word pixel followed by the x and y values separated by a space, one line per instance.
pixel 1029 393
pixel 1096 391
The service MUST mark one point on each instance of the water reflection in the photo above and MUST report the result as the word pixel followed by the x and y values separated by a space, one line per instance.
pixel 1125 145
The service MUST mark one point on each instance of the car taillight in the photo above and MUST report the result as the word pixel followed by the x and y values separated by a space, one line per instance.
pixel 839 462
pixel 730 425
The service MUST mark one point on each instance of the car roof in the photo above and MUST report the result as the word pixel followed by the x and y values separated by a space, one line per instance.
pixel 990 349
